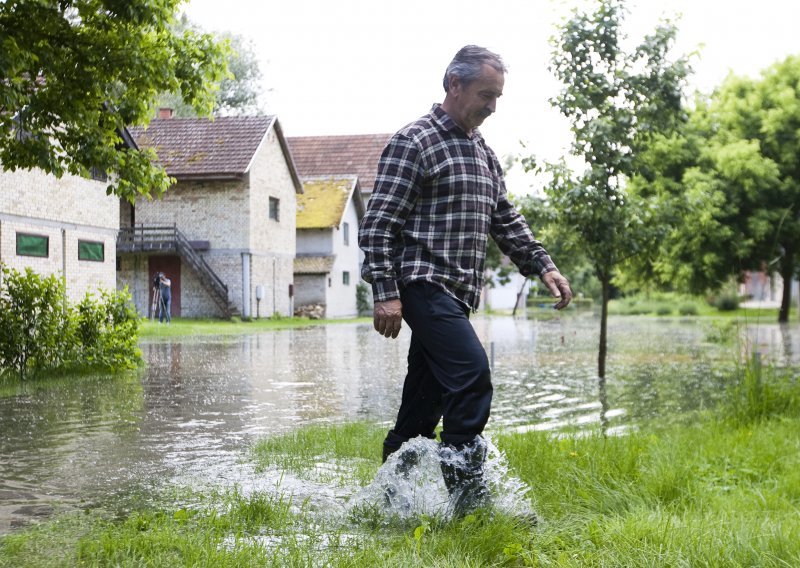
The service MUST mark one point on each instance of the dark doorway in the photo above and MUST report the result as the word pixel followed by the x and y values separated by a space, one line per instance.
pixel 171 266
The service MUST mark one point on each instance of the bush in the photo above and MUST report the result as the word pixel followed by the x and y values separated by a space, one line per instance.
pixel 688 310
pixel 108 329
pixel 664 311
pixel 363 304
pixel 727 302
pixel 40 331
pixel 36 331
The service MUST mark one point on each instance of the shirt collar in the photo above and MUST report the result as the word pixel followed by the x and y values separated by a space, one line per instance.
pixel 445 121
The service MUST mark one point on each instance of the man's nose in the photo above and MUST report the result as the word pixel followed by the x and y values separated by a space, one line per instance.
pixel 492 105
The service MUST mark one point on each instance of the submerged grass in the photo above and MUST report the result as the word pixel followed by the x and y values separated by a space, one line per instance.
pixel 719 490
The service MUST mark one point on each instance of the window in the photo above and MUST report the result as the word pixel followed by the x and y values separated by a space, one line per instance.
pixel 274 208
pixel 346 233
pixel 98 174
pixel 90 250
pixel 346 278
pixel 32 245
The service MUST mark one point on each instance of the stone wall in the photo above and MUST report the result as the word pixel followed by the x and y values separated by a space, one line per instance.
pixel 272 242
pixel 311 289
pixel 64 210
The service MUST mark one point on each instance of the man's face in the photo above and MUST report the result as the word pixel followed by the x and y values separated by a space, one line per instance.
pixel 474 102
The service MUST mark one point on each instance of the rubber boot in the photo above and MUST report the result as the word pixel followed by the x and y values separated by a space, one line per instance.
pixel 462 470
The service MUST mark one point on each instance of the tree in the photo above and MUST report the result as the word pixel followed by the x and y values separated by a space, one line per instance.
pixel 238 92
pixel 616 101
pixel 736 177
pixel 76 72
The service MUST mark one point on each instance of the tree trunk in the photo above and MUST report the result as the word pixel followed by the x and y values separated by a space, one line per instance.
pixel 601 357
pixel 787 272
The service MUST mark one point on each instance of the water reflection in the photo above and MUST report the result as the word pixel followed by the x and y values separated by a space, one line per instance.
pixel 200 401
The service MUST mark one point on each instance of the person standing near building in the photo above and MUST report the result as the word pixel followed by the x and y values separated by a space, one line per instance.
pixel 438 196
pixel 165 292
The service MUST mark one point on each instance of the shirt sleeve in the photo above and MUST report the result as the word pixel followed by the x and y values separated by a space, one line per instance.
pixel 514 237
pixel 393 197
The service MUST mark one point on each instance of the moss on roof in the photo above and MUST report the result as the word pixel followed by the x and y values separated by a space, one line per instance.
pixel 323 201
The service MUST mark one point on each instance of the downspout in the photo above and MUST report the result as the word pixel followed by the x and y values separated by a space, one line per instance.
pixel 246 285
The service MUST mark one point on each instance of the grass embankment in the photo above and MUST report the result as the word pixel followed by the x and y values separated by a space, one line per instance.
pixel 181 327
pixel 719 490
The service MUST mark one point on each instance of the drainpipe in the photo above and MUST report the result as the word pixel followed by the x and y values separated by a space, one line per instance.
pixel 246 285
pixel 64 265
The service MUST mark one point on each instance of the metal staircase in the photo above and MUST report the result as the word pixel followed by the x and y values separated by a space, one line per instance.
pixel 165 239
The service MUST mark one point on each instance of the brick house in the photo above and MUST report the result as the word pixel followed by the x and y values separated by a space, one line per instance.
pixel 328 262
pixel 65 226
pixel 348 155
pixel 225 232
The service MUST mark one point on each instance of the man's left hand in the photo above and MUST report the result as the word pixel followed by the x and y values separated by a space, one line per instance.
pixel 559 288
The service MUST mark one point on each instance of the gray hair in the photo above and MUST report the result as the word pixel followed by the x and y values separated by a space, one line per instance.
pixel 466 65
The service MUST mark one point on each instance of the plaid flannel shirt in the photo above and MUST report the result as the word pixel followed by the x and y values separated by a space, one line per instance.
pixel 439 194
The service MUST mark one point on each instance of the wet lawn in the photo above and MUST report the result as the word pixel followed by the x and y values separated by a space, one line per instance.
pixel 719 489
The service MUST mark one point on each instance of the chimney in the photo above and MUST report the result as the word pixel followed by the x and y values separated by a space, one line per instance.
pixel 165 112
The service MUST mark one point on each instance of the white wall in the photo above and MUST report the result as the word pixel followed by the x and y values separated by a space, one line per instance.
pixel 504 297
pixel 342 297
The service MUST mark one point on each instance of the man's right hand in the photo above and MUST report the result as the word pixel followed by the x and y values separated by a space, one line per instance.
pixel 388 317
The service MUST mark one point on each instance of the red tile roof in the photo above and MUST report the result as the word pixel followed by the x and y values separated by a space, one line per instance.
pixel 204 148
pixel 355 154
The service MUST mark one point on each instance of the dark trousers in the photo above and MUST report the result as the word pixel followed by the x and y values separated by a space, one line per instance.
pixel 448 371
pixel 165 308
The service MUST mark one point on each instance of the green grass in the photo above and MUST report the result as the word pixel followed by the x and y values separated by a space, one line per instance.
pixel 679 305
pixel 181 327
pixel 721 489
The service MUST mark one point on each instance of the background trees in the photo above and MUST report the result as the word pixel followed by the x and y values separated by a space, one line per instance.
pixel 731 179
pixel 239 90
pixel 75 72
pixel 616 102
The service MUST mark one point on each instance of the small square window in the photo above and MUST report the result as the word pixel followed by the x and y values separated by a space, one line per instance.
pixel 346 278
pixel 346 233
pixel 90 250
pixel 33 245
pixel 274 208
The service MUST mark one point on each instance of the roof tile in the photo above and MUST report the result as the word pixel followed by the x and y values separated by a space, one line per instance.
pixel 355 154
pixel 221 147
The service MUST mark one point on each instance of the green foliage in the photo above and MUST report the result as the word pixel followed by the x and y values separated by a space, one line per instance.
pixel 730 179
pixel 108 329
pixel 40 331
pixel 238 91
pixel 760 391
pixel 688 310
pixel 363 304
pixel 726 302
pixel 77 72
pixel 36 330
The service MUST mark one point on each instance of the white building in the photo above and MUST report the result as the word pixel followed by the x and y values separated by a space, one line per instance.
pixel 328 261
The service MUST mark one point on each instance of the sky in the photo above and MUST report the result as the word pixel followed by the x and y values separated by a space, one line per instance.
pixel 358 66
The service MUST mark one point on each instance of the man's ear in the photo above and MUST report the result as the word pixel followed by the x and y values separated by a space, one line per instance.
pixel 453 83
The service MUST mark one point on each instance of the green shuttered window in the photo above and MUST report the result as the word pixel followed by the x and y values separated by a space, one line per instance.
pixel 90 250
pixel 32 245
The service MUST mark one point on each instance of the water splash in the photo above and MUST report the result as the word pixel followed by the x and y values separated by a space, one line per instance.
pixel 410 484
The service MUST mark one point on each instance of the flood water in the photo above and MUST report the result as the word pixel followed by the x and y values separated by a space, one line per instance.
pixel 193 412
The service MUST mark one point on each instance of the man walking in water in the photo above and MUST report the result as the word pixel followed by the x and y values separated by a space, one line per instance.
pixel 438 196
